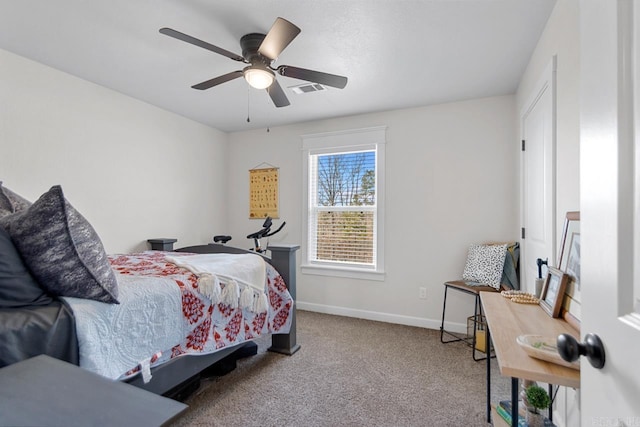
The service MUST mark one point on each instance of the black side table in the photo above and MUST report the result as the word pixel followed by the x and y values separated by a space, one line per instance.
pixel 43 391
pixel 162 244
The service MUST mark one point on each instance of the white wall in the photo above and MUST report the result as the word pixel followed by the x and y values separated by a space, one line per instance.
pixel 561 37
pixel 133 170
pixel 451 180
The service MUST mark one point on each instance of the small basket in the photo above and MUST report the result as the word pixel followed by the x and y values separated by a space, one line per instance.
pixel 480 324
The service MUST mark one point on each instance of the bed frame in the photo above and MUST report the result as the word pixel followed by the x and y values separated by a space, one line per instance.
pixel 180 375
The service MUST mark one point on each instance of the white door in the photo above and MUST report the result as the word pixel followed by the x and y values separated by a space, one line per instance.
pixel 609 197
pixel 537 128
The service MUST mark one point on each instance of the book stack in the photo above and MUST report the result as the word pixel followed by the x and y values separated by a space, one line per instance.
pixel 503 409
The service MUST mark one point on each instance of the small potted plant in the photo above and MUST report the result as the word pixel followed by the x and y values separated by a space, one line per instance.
pixel 538 400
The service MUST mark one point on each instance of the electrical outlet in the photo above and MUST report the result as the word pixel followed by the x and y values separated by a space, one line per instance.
pixel 422 294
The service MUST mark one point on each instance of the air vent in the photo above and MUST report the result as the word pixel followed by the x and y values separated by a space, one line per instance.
pixel 307 88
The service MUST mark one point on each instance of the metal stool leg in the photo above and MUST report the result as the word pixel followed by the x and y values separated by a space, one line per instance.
pixel 444 308
pixel 454 337
pixel 475 327
pixel 479 315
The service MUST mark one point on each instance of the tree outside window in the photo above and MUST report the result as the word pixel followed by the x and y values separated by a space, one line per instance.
pixel 344 208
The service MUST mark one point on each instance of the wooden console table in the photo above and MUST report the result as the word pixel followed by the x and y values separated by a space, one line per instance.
pixel 506 320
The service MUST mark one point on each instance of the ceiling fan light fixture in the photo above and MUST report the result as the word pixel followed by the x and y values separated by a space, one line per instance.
pixel 259 77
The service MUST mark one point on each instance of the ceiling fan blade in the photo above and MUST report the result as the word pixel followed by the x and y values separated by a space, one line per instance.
pixel 282 32
pixel 218 80
pixel 197 42
pixel 277 95
pixel 326 79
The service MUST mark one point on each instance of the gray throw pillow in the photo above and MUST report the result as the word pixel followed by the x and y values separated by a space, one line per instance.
pixel 5 204
pixel 6 207
pixel 11 202
pixel 61 249
pixel 17 287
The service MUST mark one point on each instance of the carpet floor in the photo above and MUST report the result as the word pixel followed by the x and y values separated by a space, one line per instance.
pixel 350 372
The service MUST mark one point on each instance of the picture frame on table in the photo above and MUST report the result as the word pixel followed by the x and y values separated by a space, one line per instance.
pixel 573 259
pixel 569 262
pixel 553 290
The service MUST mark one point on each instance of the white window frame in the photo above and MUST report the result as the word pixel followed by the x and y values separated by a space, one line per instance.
pixel 373 138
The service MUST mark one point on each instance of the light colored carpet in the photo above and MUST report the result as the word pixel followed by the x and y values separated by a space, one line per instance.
pixel 351 372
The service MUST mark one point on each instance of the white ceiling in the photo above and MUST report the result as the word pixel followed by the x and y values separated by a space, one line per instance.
pixel 396 53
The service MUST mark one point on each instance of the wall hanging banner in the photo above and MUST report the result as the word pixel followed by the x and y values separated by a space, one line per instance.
pixel 263 193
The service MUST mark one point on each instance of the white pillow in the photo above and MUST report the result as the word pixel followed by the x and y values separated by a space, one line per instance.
pixel 485 264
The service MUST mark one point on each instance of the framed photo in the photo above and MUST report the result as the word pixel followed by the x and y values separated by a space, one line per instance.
pixel 573 260
pixel 569 262
pixel 553 291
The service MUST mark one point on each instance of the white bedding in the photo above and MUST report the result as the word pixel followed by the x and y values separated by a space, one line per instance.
pixel 118 337
pixel 163 314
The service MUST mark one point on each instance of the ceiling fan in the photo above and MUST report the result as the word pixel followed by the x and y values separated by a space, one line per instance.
pixel 259 51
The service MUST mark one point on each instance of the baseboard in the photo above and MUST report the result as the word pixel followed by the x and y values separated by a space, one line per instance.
pixel 381 317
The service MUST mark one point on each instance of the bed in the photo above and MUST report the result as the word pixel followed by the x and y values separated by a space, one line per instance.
pixel 155 319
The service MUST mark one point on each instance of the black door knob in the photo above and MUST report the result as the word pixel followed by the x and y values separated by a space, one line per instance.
pixel 570 349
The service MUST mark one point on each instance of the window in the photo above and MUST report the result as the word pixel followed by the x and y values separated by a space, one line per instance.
pixel 345 195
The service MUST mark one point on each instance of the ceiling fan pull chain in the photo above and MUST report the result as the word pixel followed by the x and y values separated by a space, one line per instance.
pixel 248 96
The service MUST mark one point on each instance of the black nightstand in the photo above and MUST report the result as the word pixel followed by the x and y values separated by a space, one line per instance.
pixel 162 244
pixel 44 391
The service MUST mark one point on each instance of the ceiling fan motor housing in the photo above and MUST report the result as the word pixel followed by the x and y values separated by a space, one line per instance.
pixel 250 44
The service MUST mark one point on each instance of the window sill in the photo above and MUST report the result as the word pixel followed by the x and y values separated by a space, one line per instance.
pixel 351 273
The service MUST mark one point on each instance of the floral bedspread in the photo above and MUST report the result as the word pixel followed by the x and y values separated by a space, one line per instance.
pixel 205 326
